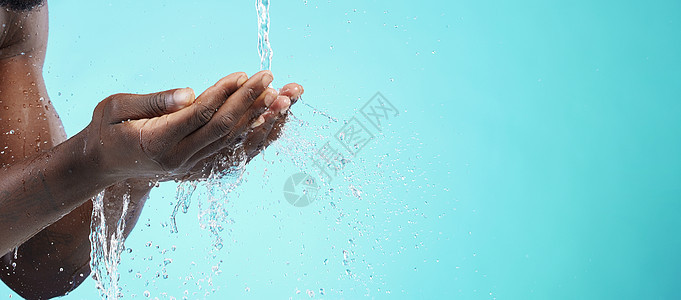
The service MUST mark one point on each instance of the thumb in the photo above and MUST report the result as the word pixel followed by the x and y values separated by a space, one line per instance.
pixel 133 106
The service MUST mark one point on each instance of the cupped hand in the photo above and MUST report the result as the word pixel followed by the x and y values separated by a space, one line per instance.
pixel 266 129
pixel 165 135
pixel 273 121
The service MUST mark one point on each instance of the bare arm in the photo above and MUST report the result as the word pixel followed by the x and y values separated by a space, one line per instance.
pixel 54 258
pixel 47 181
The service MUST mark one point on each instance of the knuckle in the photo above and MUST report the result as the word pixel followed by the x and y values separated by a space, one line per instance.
pixel 224 94
pixel 251 94
pixel 108 107
pixel 102 106
pixel 112 102
pixel 225 124
pixel 203 113
pixel 237 75
pixel 155 104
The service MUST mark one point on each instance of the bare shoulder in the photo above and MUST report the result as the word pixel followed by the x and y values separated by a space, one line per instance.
pixel 23 32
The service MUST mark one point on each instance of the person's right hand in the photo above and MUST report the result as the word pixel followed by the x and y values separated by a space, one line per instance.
pixel 162 134
pixel 233 152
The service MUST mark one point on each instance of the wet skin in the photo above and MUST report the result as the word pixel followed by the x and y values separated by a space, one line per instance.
pixel 132 141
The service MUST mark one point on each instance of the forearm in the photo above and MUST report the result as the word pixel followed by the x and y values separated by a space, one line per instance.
pixel 56 260
pixel 37 192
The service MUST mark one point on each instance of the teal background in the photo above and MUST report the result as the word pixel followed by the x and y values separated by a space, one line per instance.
pixel 536 154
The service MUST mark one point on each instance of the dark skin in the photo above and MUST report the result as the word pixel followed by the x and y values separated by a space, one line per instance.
pixel 132 141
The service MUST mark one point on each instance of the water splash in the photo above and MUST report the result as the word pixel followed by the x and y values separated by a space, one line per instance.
pixel 106 247
pixel 224 178
pixel 184 198
pixel 318 111
pixel 226 173
pixel 262 7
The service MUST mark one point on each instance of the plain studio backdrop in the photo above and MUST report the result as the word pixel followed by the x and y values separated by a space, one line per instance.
pixel 536 154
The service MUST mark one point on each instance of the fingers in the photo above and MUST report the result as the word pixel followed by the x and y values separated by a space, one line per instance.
pixel 201 111
pixel 133 107
pixel 161 137
pixel 237 113
pixel 229 141
pixel 293 91
pixel 276 130
pixel 257 139
pixel 265 129
pixel 261 136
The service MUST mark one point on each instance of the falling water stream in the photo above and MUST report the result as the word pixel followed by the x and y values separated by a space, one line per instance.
pixel 106 246
pixel 221 182
pixel 225 175
pixel 262 7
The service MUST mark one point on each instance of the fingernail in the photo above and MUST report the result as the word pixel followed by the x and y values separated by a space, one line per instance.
pixel 182 98
pixel 269 98
pixel 302 90
pixel 287 105
pixel 258 122
pixel 242 79
pixel 267 79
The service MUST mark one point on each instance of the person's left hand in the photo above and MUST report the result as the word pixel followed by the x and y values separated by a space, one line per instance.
pixel 265 130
